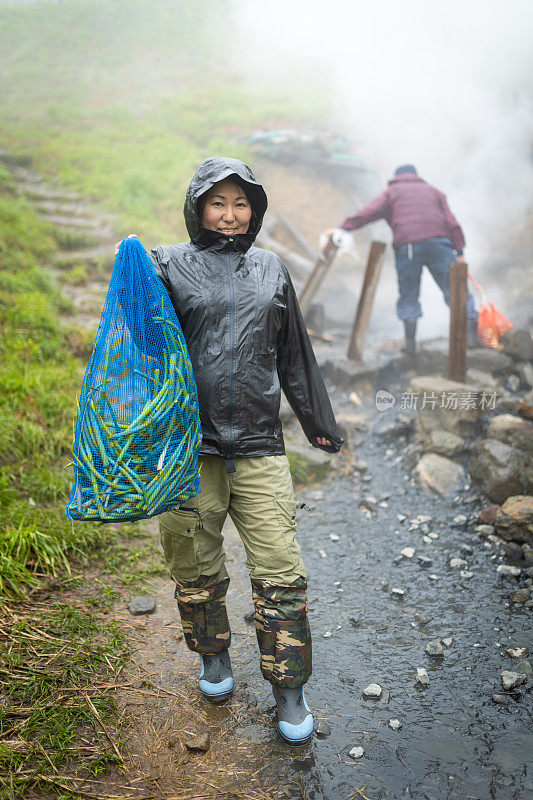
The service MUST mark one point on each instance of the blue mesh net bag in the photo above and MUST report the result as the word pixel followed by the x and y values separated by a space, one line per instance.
pixel 138 427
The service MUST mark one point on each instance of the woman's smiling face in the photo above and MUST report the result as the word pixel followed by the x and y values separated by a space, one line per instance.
pixel 227 210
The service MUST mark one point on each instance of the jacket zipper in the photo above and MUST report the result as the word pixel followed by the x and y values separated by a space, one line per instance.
pixel 231 375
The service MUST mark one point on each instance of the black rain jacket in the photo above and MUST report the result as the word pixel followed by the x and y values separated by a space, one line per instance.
pixel 244 330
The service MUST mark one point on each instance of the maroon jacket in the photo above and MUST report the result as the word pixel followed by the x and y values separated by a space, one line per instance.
pixel 414 210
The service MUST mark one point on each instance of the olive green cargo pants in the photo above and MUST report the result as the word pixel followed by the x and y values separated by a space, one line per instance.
pixel 260 500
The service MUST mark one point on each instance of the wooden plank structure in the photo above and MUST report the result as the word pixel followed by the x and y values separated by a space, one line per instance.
pixel 300 240
pixel 373 269
pixel 458 301
pixel 314 280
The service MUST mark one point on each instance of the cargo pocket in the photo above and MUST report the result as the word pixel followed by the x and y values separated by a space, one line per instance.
pixel 178 532
pixel 286 518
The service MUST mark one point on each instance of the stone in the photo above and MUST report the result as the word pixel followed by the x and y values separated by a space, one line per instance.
pixel 447 642
pixel 444 443
pixel 508 571
pixel 334 537
pixel 315 462
pixel 408 552
pixel 422 676
pixel 141 604
pixel 512 430
pixel 484 531
pixel 357 752
pixel 525 373
pixel 458 563
pixel 322 729
pixel 519 596
pixel 512 679
pixel 424 561
pixel 513 550
pixel 397 592
pixel 488 514
pixel 499 470
pixel 501 699
pixel 347 374
pixel 199 742
pixel 524 667
pixel 395 724
pixel 439 474
pixel 434 649
pixel 465 573
pixel 518 344
pixel 488 360
pixel 373 690
pixel 514 520
pixel 517 652
pixel 482 379
pixel 462 420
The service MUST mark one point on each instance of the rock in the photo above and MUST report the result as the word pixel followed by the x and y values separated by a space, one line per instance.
pixel 347 374
pixel 518 344
pixel 424 561
pixel 443 406
pixel 373 690
pixel 507 571
pixel 422 676
pixel 397 592
pixel 356 752
pixel 466 550
pixel 314 462
pixel 460 520
pixel 444 443
pixel 487 360
pixel 439 474
pixel 385 697
pixel 434 649
pixel 334 537
pixel 482 379
pixel 519 596
pixel 408 552
pixel 514 431
pixel 327 635
pixel 501 699
pixel 517 652
pixel 458 563
pixel 500 471
pixel 447 642
pixel 322 729
pixel 411 455
pixel 141 604
pixel 514 520
pixel 525 373
pixel 512 679
pixel 395 724
pixel 488 514
pixel 484 531
pixel 465 573
pixel 524 668
pixel 513 550
pixel 199 742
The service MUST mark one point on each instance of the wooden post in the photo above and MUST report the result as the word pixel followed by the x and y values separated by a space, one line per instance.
pixel 298 237
pixel 366 301
pixel 458 299
pixel 319 272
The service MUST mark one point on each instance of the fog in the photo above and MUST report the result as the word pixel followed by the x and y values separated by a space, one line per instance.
pixel 445 86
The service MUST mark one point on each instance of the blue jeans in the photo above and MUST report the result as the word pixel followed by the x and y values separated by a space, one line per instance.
pixel 437 255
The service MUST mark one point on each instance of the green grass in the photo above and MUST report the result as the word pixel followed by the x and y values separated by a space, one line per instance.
pixel 122 101
pixel 52 658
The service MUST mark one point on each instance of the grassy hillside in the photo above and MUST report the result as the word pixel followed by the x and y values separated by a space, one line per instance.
pixel 121 101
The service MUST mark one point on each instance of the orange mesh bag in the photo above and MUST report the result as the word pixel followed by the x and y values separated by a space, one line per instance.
pixel 491 323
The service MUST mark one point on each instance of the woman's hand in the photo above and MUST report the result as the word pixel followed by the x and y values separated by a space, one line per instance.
pixel 130 236
pixel 323 441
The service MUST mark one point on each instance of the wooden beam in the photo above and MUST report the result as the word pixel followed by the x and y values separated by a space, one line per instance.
pixel 458 300
pixel 366 301
pixel 299 267
pixel 314 280
pixel 298 237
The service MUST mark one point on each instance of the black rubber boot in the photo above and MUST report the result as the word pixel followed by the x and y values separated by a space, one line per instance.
pixel 216 677
pixel 472 339
pixel 295 721
pixel 410 333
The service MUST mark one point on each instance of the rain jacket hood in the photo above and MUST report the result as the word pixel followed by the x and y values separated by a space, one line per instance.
pixel 208 173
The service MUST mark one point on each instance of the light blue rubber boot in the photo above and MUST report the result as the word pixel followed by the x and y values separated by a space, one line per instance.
pixel 216 677
pixel 295 721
